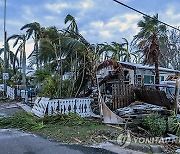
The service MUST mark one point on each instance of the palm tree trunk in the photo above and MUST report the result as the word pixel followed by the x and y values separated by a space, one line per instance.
pixel 37 53
pixel 20 60
pixel 8 57
pixel 24 67
pixel 156 68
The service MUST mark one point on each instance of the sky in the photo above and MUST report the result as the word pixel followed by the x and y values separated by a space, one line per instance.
pixel 99 21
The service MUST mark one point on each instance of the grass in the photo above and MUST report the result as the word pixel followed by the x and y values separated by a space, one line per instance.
pixel 23 121
pixel 64 128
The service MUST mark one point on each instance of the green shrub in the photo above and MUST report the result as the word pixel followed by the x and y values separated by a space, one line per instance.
pixel 42 74
pixel 155 124
pixel 53 87
pixel 174 124
pixel 50 87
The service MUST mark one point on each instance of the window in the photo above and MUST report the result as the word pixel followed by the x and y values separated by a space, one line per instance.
pixel 149 79
pixel 138 79
pixel 161 78
pixel 146 79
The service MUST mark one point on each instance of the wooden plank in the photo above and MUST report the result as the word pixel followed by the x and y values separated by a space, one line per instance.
pixel 122 95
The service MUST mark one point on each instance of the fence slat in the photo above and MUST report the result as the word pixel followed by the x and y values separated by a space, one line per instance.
pixel 81 106
pixel 123 95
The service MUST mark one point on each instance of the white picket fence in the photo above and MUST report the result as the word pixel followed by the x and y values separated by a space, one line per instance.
pixel 44 106
pixel 11 92
pixel 1 87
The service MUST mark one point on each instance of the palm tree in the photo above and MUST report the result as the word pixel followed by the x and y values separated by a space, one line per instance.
pixel 147 41
pixel 126 53
pixel 12 59
pixel 22 40
pixel 73 32
pixel 120 51
pixel 70 51
pixel 35 30
pixel 72 29
pixel 117 49
pixel 46 52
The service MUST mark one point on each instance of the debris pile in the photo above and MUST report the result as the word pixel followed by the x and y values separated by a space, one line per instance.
pixel 138 110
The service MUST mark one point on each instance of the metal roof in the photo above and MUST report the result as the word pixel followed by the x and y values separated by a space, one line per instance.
pixel 148 67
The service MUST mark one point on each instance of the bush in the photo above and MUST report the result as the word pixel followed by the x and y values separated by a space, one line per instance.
pixel 174 124
pixel 50 87
pixel 53 86
pixel 42 74
pixel 155 124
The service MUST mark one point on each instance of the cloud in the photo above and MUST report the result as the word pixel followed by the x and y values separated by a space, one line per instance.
pixel 14 22
pixel 172 14
pixel 86 4
pixel 48 18
pixel 106 34
pixel 30 14
pixel 115 28
pixel 97 24
pixel 98 20
pixel 80 5
pixel 57 8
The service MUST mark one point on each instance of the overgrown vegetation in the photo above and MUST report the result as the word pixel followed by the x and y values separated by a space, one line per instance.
pixel 174 124
pixel 53 88
pixel 155 124
pixel 64 128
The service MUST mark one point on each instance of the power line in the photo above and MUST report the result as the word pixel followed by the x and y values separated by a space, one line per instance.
pixel 145 14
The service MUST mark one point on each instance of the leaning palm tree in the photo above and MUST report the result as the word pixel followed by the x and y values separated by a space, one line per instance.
pixel 147 41
pixel 22 40
pixel 12 58
pixel 72 29
pixel 73 32
pixel 35 30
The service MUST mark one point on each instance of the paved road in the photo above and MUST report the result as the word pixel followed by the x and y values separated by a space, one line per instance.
pixel 16 142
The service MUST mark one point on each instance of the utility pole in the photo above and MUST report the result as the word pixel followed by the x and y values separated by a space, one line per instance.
pixel 5 52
